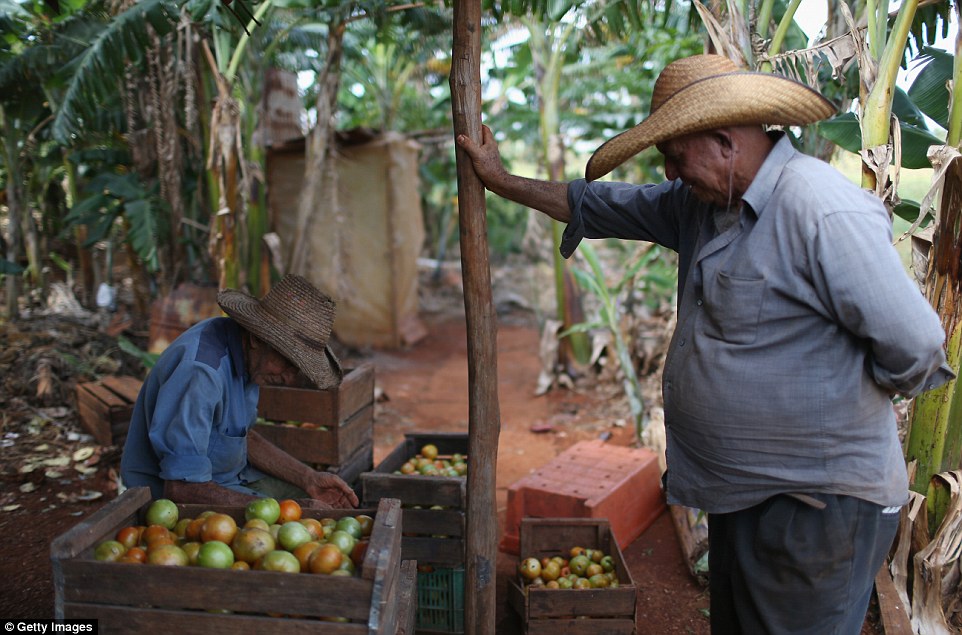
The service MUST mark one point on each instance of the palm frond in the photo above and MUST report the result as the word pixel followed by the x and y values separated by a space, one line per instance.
pixel 97 70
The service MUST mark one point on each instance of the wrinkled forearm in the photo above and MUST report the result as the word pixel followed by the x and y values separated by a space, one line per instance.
pixel 550 197
pixel 270 459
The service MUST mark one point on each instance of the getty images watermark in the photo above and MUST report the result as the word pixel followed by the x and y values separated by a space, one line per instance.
pixel 49 626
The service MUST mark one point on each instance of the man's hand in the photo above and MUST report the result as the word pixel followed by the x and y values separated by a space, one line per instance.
pixel 550 197
pixel 330 489
pixel 486 158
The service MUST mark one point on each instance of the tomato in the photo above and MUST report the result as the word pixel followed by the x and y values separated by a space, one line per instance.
pixel 325 559
pixel 579 564
pixel 530 568
pixel 367 524
pixel 109 551
pixel 191 549
pixel 129 536
pixel 215 554
pixel 279 560
pixel 168 556
pixel 550 571
pixel 582 583
pixel 240 565
pixel 598 581
pixel 429 451
pixel 290 510
pixel 292 535
pixel 252 543
pixel 303 554
pixel 220 527
pixel 344 541
pixel 348 565
pixel 155 532
pixel 257 523
pixel 351 525
pixel 593 569
pixel 607 563
pixel 267 509
pixel 314 526
pixel 192 531
pixel 136 553
pixel 162 511
pixel 359 551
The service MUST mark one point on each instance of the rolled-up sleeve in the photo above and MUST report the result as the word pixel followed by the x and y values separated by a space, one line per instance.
pixel 603 209
pixel 861 278
pixel 186 404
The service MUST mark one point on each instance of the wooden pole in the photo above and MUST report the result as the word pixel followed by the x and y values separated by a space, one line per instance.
pixel 484 418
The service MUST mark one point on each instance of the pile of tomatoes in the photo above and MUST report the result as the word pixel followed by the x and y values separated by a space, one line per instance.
pixel 583 569
pixel 428 462
pixel 274 537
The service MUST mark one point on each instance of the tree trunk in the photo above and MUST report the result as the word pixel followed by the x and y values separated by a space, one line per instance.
pixel 484 417
pixel 15 212
pixel 934 441
pixel 320 180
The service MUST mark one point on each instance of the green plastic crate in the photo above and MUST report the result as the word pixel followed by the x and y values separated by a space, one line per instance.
pixel 441 601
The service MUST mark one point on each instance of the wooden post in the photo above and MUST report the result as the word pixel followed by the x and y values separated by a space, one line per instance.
pixel 484 418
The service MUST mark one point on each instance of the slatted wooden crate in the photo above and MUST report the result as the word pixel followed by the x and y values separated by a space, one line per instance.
pixel 336 426
pixel 105 407
pixel 150 599
pixel 431 536
pixel 567 611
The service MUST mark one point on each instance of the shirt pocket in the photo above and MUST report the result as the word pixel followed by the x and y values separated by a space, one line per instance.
pixel 733 308
pixel 227 453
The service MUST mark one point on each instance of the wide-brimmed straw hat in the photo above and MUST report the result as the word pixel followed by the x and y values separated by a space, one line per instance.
pixel 704 92
pixel 296 319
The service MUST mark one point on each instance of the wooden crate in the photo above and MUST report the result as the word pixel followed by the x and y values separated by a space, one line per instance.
pixel 344 416
pixel 431 536
pixel 407 598
pixel 149 599
pixel 583 611
pixel 105 407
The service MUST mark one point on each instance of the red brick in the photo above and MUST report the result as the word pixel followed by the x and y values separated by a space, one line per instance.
pixel 591 479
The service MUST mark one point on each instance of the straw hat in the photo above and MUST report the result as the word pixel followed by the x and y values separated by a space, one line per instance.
pixel 704 92
pixel 296 320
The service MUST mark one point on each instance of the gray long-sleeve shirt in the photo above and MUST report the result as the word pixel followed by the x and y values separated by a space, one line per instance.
pixel 795 328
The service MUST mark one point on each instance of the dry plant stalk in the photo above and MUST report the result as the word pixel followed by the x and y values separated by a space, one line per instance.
pixel 934 600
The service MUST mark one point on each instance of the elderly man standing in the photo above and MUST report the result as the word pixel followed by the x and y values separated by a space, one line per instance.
pixel 191 436
pixel 797 323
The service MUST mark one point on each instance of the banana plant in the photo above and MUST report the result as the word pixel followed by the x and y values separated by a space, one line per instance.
pixel 612 300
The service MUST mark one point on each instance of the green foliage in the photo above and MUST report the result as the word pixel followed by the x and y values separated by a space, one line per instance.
pixel 7 267
pixel 929 91
pixel 113 196
pixel 147 359
pixel 843 130
pixel 96 72
pixel 644 273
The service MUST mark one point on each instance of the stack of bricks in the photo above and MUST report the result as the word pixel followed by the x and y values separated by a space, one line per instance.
pixel 591 479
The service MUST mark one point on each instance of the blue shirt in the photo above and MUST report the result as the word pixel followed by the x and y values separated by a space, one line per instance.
pixel 795 328
pixel 193 412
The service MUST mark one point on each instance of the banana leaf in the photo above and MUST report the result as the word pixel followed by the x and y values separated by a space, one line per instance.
pixel 844 132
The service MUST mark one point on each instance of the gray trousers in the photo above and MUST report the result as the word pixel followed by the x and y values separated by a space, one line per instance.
pixel 787 566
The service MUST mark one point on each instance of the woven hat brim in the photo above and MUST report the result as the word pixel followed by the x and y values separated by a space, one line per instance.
pixel 731 99
pixel 296 320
